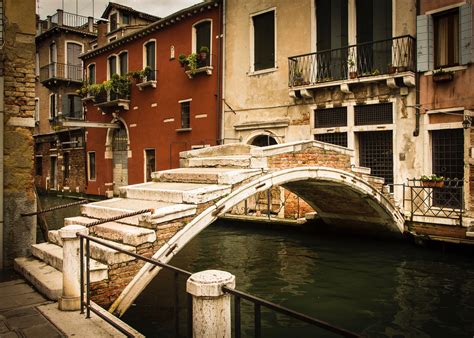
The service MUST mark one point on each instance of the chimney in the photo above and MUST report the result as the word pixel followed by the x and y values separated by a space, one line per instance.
pixel 101 33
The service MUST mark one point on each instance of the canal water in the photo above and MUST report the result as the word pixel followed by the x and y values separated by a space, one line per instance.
pixel 375 287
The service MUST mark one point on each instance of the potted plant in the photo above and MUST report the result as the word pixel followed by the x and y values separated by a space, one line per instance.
pixel 203 52
pixel 440 75
pixel 432 181
pixel 192 62
pixel 352 69
pixel 391 69
pixel 182 60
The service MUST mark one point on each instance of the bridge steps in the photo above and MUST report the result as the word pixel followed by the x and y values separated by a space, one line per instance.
pixel 176 192
pixel 46 279
pixel 118 232
pixel 163 211
pixel 227 176
pixel 234 161
pixel 99 252
pixel 52 254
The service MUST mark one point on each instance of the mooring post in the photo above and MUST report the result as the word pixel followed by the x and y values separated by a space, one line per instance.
pixel 71 297
pixel 211 306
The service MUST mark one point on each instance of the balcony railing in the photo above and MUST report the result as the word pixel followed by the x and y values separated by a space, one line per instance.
pixel 110 98
pixel 61 71
pixel 365 59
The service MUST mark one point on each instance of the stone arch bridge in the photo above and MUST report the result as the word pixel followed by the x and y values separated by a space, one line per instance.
pixel 212 182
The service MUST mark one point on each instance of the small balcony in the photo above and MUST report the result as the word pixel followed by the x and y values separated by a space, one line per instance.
pixel 112 100
pixel 384 60
pixel 59 73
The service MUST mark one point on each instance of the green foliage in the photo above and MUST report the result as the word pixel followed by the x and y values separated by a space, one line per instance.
pixel 432 178
pixel 192 60
pixel 140 74
pixel 204 49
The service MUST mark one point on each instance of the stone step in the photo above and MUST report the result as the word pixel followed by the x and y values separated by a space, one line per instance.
pixel 100 252
pixel 46 279
pixel 205 175
pixel 52 254
pixel 172 192
pixel 163 211
pixel 235 161
pixel 118 232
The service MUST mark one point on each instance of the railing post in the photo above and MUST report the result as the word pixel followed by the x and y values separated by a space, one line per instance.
pixel 60 17
pixel 71 296
pixel 90 24
pixel 211 306
pixel 49 22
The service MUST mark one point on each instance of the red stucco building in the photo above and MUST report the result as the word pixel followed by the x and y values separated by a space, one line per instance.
pixel 134 131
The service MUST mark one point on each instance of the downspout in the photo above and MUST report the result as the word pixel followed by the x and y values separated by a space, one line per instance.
pixel 219 109
pixel 222 53
pixel 1 169
pixel 416 132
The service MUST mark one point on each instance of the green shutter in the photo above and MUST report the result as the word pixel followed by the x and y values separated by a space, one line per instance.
pixel 424 42
pixel 465 34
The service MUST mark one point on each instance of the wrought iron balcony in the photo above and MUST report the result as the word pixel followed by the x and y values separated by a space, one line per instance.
pixel 55 72
pixel 392 56
pixel 113 100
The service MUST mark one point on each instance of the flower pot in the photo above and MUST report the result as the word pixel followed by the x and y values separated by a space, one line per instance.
pixel 352 75
pixel 392 69
pixel 443 77
pixel 433 184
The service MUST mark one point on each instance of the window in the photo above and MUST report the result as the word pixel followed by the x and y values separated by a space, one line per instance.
pixel 113 22
pixel 203 40
pixel 91 73
pixel 330 117
pixel 52 105
pixel 66 165
pixel 72 106
pixel 37 109
pixel 264 141
pixel 91 165
pixel 37 67
pixel 39 165
pixel 372 114
pixel 150 58
pixel 123 63
pixel 185 114
pixel 112 66
pixel 52 60
pixel 125 19
pixel 376 153
pixel 149 163
pixel 339 139
pixel 446 38
pixel 264 41
pixel 74 63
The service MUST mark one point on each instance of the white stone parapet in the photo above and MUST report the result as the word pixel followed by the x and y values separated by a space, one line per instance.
pixel 71 295
pixel 211 306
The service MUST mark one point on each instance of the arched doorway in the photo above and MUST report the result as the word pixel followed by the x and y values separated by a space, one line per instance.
pixel 263 141
pixel 119 158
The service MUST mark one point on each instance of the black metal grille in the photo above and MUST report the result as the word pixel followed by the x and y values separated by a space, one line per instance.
pixel 185 114
pixel 448 161
pixel 339 139
pixel 330 117
pixel 376 153
pixel 120 140
pixel 373 114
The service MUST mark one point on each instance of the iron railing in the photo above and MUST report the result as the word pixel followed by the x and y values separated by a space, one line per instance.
pixel 71 20
pixel 109 96
pixel 365 59
pixel 434 199
pixel 238 295
pixel 61 71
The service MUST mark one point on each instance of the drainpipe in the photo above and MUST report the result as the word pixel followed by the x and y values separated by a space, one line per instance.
pixel 416 132
pixel 1 169
pixel 219 109
pixel 222 51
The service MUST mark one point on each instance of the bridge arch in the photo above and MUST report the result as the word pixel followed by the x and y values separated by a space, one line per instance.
pixel 298 180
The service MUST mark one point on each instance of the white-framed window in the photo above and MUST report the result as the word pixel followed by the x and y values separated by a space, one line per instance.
pixel 123 63
pixel 72 106
pixel 37 109
pixel 149 57
pixel 150 163
pixel 201 40
pixel 91 73
pixel 126 19
pixel 37 64
pixel 113 23
pixel 185 113
pixel 444 37
pixel 53 106
pixel 91 166
pixel 111 66
pixel 263 40
pixel 73 69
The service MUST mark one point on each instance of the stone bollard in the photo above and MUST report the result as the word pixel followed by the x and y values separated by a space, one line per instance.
pixel 211 307
pixel 71 297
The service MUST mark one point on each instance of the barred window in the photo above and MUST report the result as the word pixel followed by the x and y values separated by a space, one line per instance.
pixel 373 114
pixel 331 117
pixel 185 114
pixel 339 139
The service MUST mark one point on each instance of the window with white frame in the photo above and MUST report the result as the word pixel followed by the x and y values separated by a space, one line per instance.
pixel 113 22
pixel 263 26
pixel 185 114
pixel 444 38
pixel 91 73
pixel 150 58
pixel 91 174
pixel 72 106
pixel 112 62
pixel 126 19
pixel 202 42
pixel 52 105
pixel 123 63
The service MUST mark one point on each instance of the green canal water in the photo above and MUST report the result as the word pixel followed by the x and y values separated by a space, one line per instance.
pixel 375 287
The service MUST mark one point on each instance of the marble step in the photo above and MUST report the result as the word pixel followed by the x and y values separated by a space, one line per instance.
pixel 100 252
pixel 52 254
pixel 162 212
pixel 46 279
pixel 228 176
pixel 172 192
pixel 235 161
pixel 118 232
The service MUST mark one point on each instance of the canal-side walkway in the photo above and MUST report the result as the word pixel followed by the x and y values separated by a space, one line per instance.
pixel 26 313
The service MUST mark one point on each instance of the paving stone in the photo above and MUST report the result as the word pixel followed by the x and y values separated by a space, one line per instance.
pixel 22 312
pixel 25 321
pixel 3 327
pixel 10 334
pixel 43 330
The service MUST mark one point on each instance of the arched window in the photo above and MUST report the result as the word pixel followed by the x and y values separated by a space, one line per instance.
pixel 264 140
pixel 202 42
pixel 112 65
pixel 123 63
pixel 150 58
pixel 91 73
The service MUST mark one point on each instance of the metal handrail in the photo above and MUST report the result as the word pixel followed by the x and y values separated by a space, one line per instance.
pixel 56 70
pixel 85 303
pixel 57 207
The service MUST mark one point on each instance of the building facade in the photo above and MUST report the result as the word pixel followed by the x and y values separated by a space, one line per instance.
pixel 147 102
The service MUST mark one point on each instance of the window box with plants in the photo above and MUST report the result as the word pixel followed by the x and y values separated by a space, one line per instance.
pixel 114 92
pixel 440 75
pixel 352 68
pixel 144 78
pixel 432 181
pixel 196 63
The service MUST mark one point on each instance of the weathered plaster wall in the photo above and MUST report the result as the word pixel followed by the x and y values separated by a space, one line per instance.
pixel 19 92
